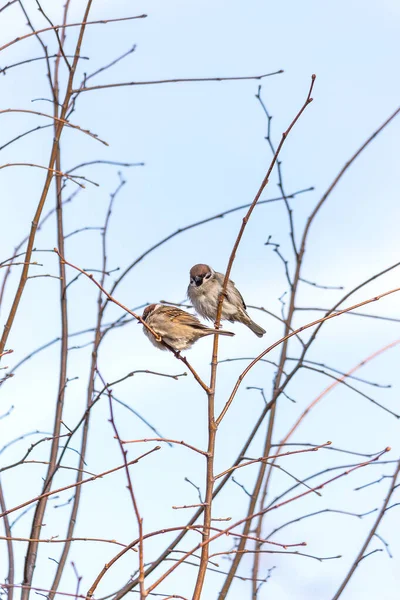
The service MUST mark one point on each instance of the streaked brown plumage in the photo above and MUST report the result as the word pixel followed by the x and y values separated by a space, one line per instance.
pixel 204 290
pixel 177 328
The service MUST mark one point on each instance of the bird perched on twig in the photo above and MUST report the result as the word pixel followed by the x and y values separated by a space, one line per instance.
pixel 177 328
pixel 204 290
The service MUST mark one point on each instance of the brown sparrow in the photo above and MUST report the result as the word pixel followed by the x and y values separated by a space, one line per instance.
pixel 204 290
pixel 177 328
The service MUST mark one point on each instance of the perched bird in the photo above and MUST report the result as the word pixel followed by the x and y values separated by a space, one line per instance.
pixel 204 290
pixel 177 328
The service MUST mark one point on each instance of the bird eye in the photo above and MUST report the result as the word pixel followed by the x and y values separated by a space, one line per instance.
pixel 191 280
pixel 207 276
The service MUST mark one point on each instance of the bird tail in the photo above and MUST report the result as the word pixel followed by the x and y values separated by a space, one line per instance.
pixel 219 332
pixel 259 331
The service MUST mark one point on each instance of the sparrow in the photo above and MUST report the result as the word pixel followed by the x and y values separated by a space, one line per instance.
pixel 177 328
pixel 204 290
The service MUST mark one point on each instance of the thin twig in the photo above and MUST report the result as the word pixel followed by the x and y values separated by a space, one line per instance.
pixel 184 80
pixel 370 535
pixel 137 317
pixel 81 24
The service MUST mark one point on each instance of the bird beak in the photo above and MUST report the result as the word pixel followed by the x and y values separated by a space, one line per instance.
pixel 198 281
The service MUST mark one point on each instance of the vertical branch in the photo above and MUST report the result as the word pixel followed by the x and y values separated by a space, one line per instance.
pixel 212 432
pixel 45 191
pixel 251 510
pixel 89 400
pixel 63 281
pixel 31 555
pixel 10 550
pixel 279 169
pixel 132 495
pixel 257 545
pixel 46 56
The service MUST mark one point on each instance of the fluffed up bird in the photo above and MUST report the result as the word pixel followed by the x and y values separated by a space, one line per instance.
pixel 204 290
pixel 179 329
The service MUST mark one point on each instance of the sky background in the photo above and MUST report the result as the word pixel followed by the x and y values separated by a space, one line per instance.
pixel 204 149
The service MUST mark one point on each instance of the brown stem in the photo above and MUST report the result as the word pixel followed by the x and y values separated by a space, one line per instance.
pixel 89 402
pixel 61 266
pixel 168 441
pixel 133 497
pixel 248 518
pixel 31 555
pixel 43 197
pixel 10 549
pixel 212 432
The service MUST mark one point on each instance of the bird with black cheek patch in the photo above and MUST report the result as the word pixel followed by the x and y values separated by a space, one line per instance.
pixel 177 328
pixel 204 290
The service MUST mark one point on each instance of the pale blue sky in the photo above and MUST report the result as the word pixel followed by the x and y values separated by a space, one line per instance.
pixel 204 149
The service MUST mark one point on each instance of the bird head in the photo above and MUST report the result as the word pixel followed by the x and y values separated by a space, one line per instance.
pixel 199 274
pixel 148 311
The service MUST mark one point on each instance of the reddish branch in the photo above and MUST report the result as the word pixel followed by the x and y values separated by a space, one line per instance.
pixel 132 495
pixel 169 441
pixel 289 335
pixel 265 510
pixel 194 527
pixel 63 283
pixel 137 317
pixel 74 485
pixel 299 420
pixel 191 524
pixel 333 385
pixel 10 551
pixel 266 458
pixel 370 535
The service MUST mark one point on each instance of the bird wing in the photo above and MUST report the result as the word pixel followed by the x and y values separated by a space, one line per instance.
pixel 173 313
pixel 233 293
